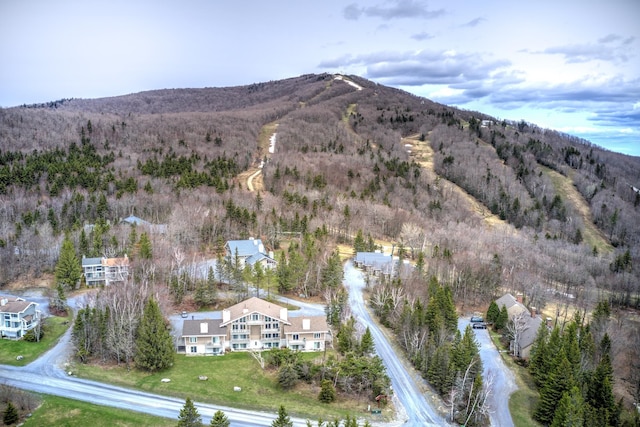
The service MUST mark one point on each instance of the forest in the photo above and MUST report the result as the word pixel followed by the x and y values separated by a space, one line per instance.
pixel 480 205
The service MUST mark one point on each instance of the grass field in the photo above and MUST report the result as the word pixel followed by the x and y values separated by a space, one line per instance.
pixel 60 412
pixel 30 351
pixel 259 388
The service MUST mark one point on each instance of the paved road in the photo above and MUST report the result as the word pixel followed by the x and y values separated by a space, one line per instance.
pixel 503 379
pixel 414 410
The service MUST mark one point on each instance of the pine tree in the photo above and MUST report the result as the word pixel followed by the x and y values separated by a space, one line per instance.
pixel 146 250
pixel 189 416
pixel 570 410
pixel 287 376
pixel 68 269
pixel 502 319
pixel 366 343
pixel 154 345
pixel 492 312
pixel 560 381
pixel 283 419
pixel 10 415
pixel 327 392
pixel 219 420
pixel 537 360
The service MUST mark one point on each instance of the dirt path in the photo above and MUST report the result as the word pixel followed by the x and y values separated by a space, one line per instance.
pixel 422 153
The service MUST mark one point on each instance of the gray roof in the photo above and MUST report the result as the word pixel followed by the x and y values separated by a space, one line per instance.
pixel 529 335
pixel 91 261
pixel 316 323
pixel 192 328
pixel 132 219
pixel 13 304
pixel 245 248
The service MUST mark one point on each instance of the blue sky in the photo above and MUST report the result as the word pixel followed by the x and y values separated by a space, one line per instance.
pixel 570 65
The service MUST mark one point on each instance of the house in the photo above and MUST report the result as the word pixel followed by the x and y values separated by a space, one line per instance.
pixel 306 333
pixel 204 337
pixel 254 324
pixel 105 271
pixel 18 317
pixel 249 252
pixel 375 262
pixel 526 323
pixel 139 222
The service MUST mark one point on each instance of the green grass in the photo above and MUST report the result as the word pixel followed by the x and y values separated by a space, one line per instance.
pixel 30 351
pixel 522 402
pixel 259 388
pixel 58 411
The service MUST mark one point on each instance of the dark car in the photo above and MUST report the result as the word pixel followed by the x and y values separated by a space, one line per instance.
pixel 477 322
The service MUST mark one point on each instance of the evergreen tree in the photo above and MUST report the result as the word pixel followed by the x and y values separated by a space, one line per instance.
pixel 560 381
pixel 366 343
pixel 333 273
pixel 492 312
pixel 154 345
pixel 537 360
pixel 502 319
pixel 68 269
pixel 146 250
pixel 287 376
pixel 283 419
pixel 10 415
pixel 570 410
pixel 189 416
pixel 327 392
pixel 219 420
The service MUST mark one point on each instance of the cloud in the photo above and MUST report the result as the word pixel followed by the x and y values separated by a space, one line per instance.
pixel 423 67
pixel 422 36
pixel 474 22
pixel 397 10
pixel 612 47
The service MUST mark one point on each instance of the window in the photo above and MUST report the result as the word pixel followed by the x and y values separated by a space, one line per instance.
pixel 295 337
pixel 255 316
pixel 316 335
pixel 215 340
pixel 316 345
pixel 193 339
pixel 194 349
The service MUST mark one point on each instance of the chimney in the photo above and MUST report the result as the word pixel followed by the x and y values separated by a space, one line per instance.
pixel 226 315
pixel 204 328
pixel 306 324
pixel 284 314
pixel 519 298
pixel 534 312
pixel 3 301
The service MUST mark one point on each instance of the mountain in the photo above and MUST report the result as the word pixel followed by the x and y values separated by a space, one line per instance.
pixel 491 205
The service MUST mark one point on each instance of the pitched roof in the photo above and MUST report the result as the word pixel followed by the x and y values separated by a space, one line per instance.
pixel 246 247
pixel 511 303
pixel 192 328
pixel 13 304
pixel 316 324
pixel 254 305
pixel 528 336
pixel 111 262
pixel 132 219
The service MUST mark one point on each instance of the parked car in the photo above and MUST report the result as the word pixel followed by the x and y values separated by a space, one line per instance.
pixel 184 314
pixel 477 322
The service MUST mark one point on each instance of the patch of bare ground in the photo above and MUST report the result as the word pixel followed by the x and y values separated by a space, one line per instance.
pixel 591 234
pixel 43 282
pixel 422 153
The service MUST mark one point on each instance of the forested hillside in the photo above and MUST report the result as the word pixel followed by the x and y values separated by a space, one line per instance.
pixel 483 205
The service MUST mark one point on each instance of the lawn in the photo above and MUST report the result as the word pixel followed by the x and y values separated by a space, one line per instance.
pixel 259 387
pixel 30 351
pixel 58 411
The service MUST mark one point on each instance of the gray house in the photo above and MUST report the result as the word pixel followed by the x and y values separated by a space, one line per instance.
pixel 18 317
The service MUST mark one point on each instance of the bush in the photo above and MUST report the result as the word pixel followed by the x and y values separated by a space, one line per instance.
pixel 327 392
pixel 34 336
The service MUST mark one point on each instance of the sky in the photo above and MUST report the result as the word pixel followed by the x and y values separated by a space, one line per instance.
pixel 569 65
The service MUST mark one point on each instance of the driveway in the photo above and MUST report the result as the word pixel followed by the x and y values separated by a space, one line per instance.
pixel 413 407
pixel 504 382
